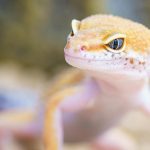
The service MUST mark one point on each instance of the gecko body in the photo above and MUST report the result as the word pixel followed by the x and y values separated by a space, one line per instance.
pixel 113 54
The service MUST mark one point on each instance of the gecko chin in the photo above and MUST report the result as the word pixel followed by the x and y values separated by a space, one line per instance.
pixel 115 63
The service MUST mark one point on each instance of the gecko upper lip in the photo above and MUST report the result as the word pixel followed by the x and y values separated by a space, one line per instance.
pixel 81 58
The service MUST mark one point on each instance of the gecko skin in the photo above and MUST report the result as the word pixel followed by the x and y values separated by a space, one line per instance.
pixel 113 54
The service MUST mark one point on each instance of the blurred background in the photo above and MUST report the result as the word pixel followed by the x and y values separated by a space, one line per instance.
pixel 32 37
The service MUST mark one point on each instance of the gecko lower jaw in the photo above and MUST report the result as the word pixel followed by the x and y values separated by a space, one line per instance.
pixel 103 65
pixel 91 64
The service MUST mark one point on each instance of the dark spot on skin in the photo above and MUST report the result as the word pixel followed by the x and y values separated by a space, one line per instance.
pixel 141 63
pixel 126 58
pixel 131 61
pixel 113 55
pixel 125 64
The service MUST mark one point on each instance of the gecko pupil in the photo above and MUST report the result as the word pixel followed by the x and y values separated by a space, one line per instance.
pixel 116 44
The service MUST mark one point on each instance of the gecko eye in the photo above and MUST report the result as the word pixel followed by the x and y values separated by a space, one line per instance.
pixel 115 43
pixel 71 33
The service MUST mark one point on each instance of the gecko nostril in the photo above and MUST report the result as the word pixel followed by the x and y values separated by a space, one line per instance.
pixel 83 47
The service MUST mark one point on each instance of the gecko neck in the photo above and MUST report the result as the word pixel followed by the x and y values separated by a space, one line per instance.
pixel 120 84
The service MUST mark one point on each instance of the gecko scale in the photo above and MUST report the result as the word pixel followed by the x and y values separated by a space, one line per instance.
pixel 112 55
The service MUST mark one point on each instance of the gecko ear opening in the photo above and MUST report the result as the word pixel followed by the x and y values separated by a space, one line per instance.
pixel 75 24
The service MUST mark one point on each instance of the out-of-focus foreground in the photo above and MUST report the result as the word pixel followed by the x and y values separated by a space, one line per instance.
pixel 32 38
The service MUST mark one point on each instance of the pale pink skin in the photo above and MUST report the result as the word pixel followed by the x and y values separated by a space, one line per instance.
pixel 106 96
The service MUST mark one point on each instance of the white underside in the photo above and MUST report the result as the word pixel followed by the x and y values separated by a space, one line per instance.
pixel 114 66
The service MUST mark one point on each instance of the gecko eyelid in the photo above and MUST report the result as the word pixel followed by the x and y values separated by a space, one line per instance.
pixel 114 36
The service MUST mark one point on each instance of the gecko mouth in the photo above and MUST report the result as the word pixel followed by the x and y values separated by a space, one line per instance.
pixel 93 63
pixel 120 65
pixel 84 59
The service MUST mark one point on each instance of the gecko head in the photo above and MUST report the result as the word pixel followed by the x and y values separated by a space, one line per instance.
pixel 108 43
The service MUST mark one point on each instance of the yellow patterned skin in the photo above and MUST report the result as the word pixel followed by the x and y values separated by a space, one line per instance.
pixel 101 26
pixel 87 48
